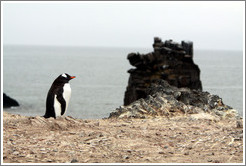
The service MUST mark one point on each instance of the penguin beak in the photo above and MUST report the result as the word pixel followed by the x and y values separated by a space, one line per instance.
pixel 72 77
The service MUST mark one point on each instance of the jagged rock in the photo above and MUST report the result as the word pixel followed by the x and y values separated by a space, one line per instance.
pixel 9 102
pixel 170 61
pixel 167 101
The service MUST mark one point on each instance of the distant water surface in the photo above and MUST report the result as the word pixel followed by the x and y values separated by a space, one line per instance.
pixel 101 77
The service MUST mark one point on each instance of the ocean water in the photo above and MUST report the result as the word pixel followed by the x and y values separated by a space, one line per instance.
pixel 101 77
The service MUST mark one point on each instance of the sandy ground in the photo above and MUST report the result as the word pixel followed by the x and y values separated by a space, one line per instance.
pixel 155 140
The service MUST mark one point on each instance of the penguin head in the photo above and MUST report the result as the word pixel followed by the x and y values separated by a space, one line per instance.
pixel 64 78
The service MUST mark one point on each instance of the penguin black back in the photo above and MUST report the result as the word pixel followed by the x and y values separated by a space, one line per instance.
pixel 58 96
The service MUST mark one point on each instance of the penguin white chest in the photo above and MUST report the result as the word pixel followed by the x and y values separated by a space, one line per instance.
pixel 66 95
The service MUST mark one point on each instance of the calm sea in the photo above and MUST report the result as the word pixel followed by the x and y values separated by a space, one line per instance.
pixel 101 77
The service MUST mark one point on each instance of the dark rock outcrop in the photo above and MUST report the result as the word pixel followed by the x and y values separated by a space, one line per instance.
pixel 170 61
pixel 9 102
pixel 168 101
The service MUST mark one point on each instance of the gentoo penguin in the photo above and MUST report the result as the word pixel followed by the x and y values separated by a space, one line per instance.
pixel 58 96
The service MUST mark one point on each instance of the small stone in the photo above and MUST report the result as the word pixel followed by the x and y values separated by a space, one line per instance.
pixel 189 147
pixel 100 135
pixel 165 147
pixel 161 152
pixel 216 161
pixel 74 161
pixel 186 153
pixel 72 133
pixel 125 157
pixel 129 151
pixel 96 124
pixel 239 124
pixel 16 153
pixel 82 134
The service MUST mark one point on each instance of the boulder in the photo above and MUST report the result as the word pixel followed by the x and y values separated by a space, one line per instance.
pixel 169 61
pixel 9 102
pixel 168 101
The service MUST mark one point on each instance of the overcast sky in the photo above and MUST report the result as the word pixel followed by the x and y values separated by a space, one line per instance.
pixel 210 25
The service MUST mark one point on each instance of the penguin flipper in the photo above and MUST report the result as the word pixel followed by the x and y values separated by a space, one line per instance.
pixel 50 112
pixel 63 103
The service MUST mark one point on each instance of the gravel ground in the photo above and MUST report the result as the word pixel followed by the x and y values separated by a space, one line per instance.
pixel 154 140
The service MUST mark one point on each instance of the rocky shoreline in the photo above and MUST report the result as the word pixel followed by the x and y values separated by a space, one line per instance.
pixel 178 139
pixel 169 101
pixel 166 118
pixel 170 125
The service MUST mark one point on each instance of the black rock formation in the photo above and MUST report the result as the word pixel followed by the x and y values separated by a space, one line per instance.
pixel 170 61
pixel 9 102
pixel 168 101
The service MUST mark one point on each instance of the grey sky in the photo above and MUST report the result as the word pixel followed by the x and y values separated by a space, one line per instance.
pixel 210 25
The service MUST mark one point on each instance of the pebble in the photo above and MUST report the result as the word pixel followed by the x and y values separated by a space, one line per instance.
pixel 82 134
pixel 96 124
pixel 16 153
pixel 216 161
pixel 16 135
pixel 72 133
pixel 239 124
pixel 129 151
pixel 100 135
pixel 125 157
pixel 74 161
pixel 189 147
